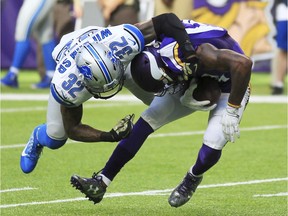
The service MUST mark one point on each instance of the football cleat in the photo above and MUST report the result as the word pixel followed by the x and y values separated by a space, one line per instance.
pixel 277 90
pixel 44 83
pixel 31 153
pixel 94 188
pixel 184 191
pixel 10 80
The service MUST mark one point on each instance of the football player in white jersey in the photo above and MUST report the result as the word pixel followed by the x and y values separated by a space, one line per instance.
pixel 162 66
pixel 91 63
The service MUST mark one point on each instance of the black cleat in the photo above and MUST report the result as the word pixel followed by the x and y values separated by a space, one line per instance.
pixel 184 191
pixel 94 188
pixel 277 90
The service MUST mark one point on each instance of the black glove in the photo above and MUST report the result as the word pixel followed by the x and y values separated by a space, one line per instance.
pixel 123 128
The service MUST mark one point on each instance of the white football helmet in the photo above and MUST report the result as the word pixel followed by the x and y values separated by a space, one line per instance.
pixel 102 73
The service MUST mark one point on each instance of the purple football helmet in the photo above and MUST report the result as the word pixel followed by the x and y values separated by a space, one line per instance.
pixel 149 72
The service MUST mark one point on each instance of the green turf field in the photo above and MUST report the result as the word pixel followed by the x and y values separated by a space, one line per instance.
pixel 249 180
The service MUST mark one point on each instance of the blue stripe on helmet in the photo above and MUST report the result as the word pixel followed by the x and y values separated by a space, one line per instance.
pixel 100 62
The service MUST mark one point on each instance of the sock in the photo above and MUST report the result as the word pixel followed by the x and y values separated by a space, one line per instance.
pixel 14 70
pixel 50 74
pixel 278 84
pixel 20 53
pixel 47 141
pixel 47 50
pixel 127 148
pixel 105 180
pixel 207 157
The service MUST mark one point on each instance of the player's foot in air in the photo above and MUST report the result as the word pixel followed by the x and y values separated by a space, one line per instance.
pixel 184 191
pixel 31 153
pixel 10 80
pixel 94 188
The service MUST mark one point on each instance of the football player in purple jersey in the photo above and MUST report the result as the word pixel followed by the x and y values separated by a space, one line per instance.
pixel 160 68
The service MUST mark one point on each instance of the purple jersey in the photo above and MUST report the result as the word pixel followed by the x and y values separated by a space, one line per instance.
pixel 199 33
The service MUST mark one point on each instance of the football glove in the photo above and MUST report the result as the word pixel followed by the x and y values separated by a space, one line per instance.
pixel 123 128
pixel 230 124
pixel 189 68
pixel 187 99
pixel 187 71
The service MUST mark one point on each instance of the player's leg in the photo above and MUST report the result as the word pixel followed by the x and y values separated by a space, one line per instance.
pixel 44 28
pixel 51 135
pixel 280 66
pixel 24 25
pixel 161 111
pixel 209 154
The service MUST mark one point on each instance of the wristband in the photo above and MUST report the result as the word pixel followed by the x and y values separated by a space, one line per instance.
pixel 187 49
pixel 233 105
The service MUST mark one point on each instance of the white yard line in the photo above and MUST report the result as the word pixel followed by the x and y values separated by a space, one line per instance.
pixel 159 135
pixel 44 97
pixel 16 189
pixel 130 98
pixel 271 195
pixel 147 193
pixel 86 106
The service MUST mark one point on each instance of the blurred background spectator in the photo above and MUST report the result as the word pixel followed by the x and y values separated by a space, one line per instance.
pixel 182 8
pixel 105 12
pixel 279 67
pixel 64 22
pixel 35 18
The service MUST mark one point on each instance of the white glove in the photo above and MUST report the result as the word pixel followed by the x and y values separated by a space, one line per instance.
pixel 190 102
pixel 230 124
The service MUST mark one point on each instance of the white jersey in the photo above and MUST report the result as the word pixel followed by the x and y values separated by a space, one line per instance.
pixel 125 41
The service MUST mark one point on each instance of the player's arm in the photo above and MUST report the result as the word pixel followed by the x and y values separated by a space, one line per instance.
pixel 222 59
pixel 81 132
pixel 170 25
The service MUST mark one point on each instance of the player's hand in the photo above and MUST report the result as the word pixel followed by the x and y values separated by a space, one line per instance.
pixel 187 71
pixel 190 102
pixel 190 60
pixel 189 68
pixel 123 128
pixel 230 124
